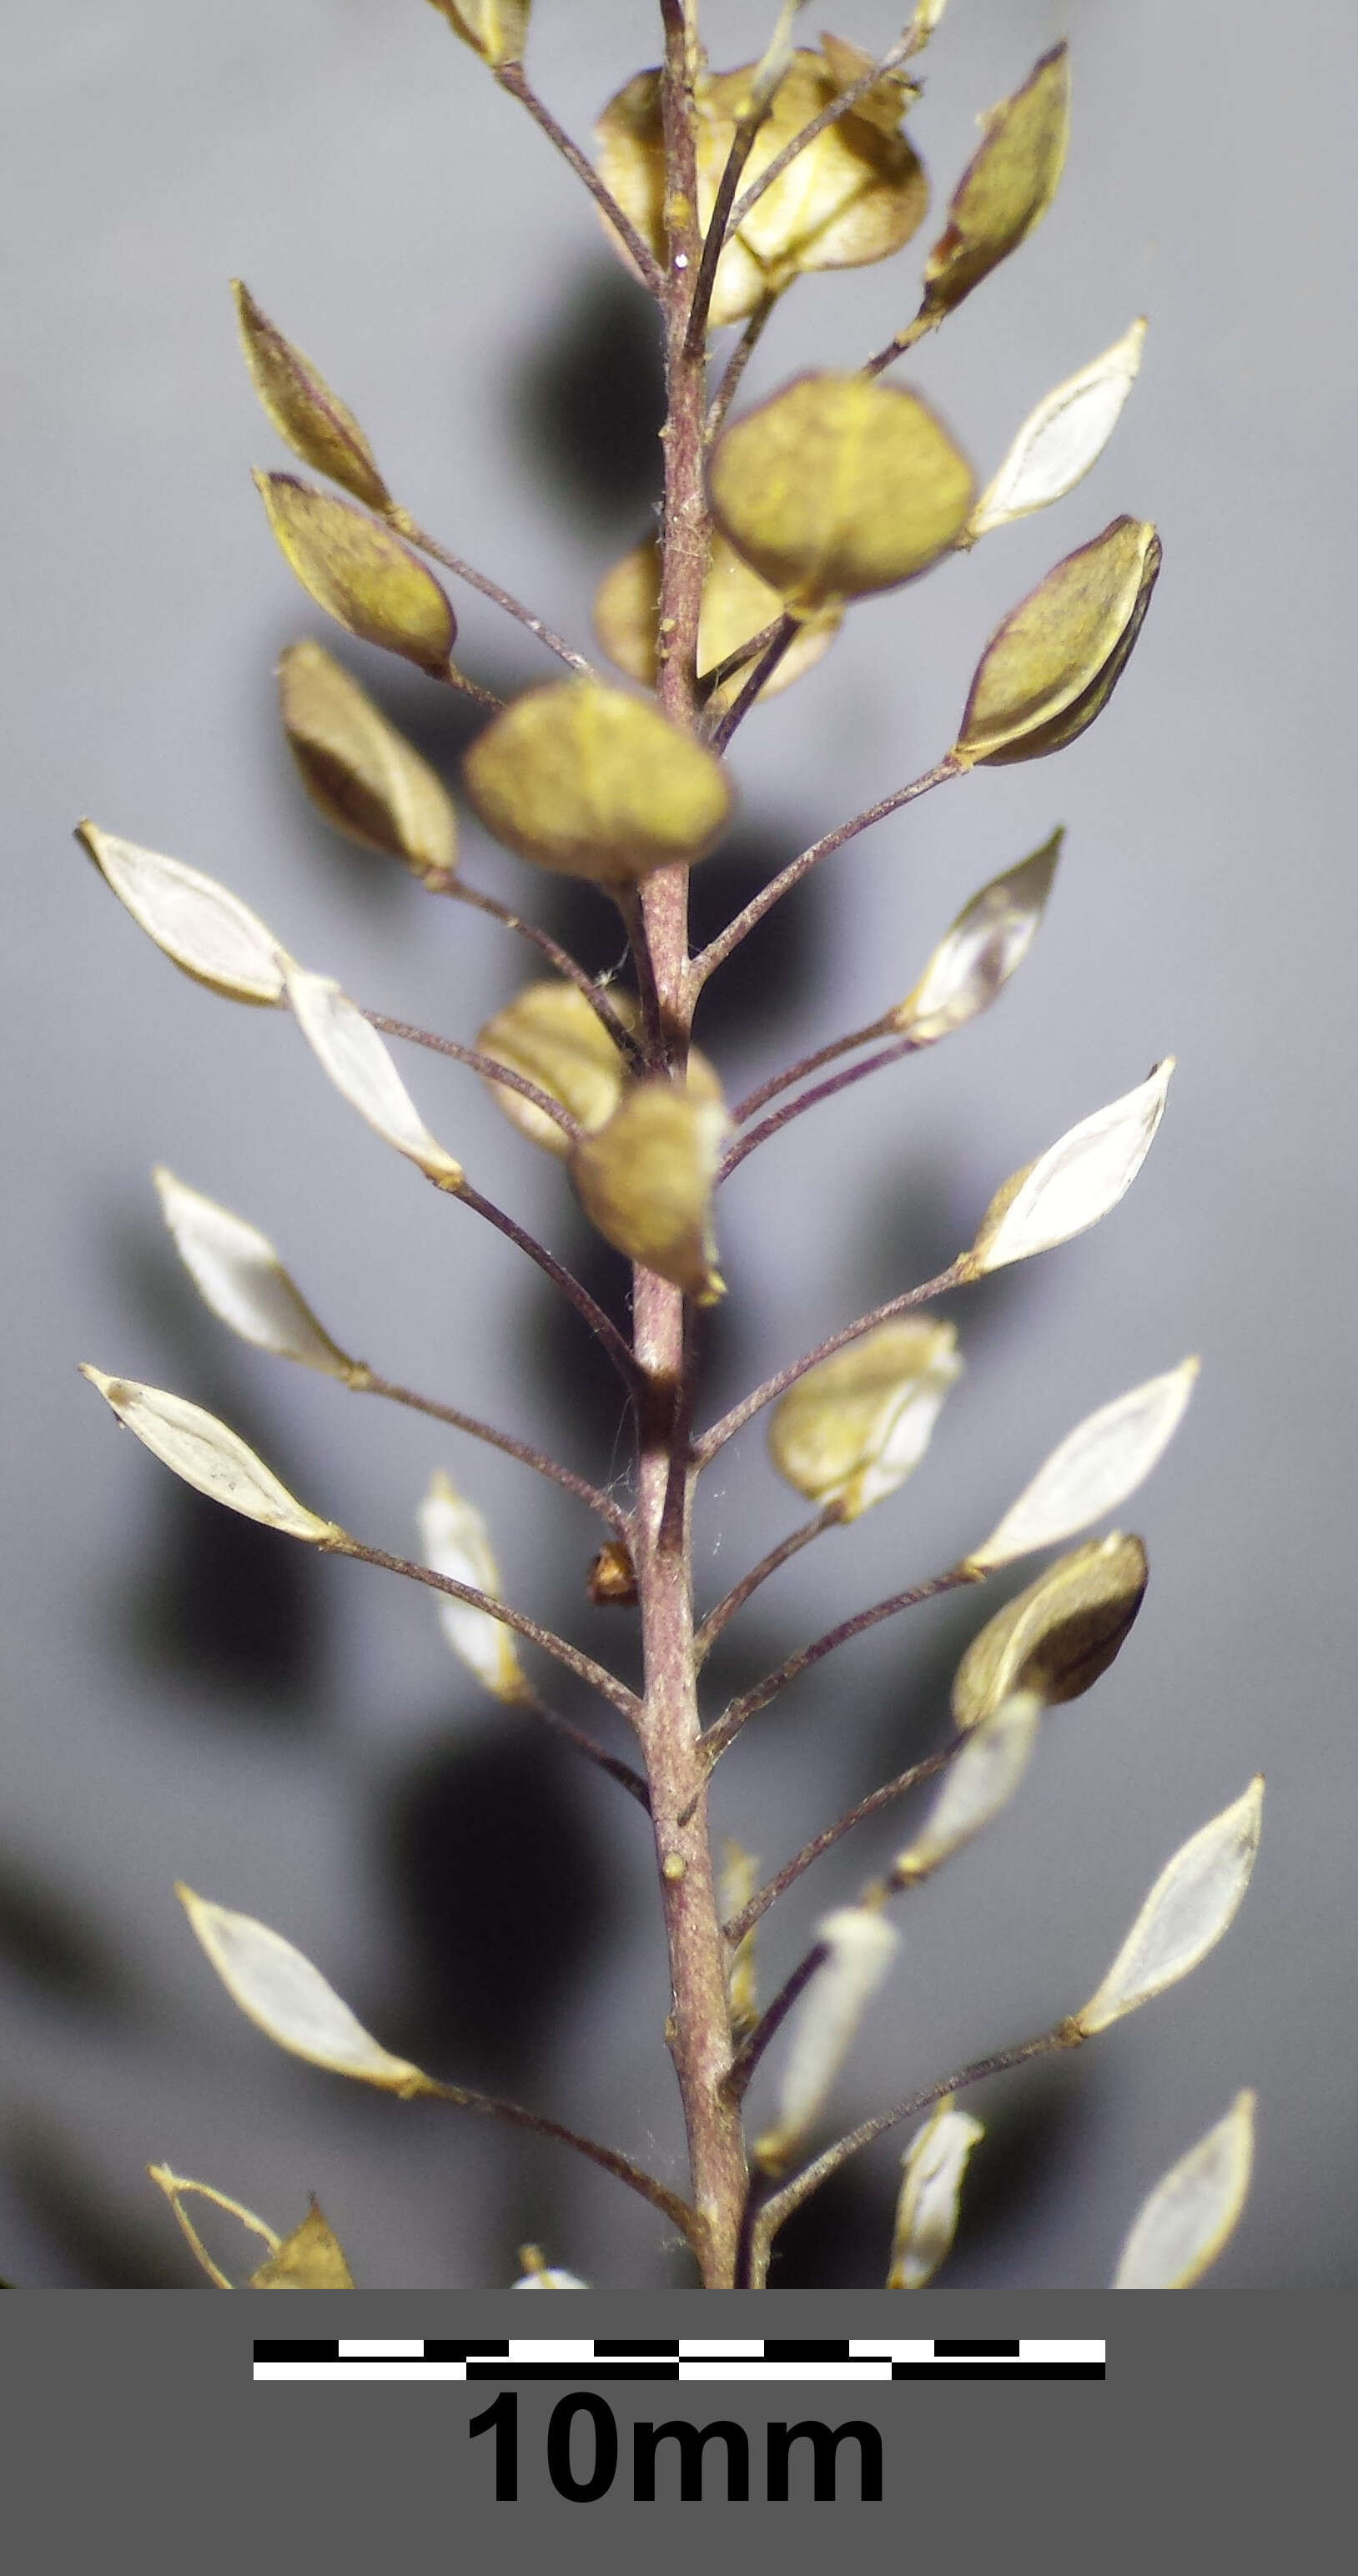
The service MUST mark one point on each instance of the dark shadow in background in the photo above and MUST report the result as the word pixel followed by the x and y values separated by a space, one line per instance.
pixel 500 1879
pixel 52 1943
pixel 105 2248
pixel 588 405
pixel 840 2239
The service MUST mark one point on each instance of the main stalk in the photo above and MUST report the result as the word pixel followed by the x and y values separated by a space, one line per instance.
pixel 699 2028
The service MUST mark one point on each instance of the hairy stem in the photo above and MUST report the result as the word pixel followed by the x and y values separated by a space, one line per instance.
pixel 368 1382
pixel 782 1117
pixel 767 2221
pixel 740 1592
pixel 562 1652
pixel 417 536
pixel 491 2107
pixel 586 1307
pixel 841 105
pixel 718 1737
pixel 824 1841
pixel 806 1064
pixel 698 2029
pixel 488 1066
pixel 512 77
pixel 719 949
pixel 557 956
pixel 736 365
pixel 705 1449
pixel 552 1718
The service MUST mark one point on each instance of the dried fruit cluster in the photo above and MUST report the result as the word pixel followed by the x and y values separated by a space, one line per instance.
pixel 720 190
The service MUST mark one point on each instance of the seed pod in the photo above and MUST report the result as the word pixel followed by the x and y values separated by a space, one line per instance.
pixel 645 1180
pixel 349 1050
pixel 363 775
pixel 859 1946
pixel 538 2274
pixel 1194 1900
pixel 497 30
pixel 1062 439
pixel 201 926
pixel 456 1543
pixel 1093 1469
pixel 1181 2227
pixel 359 573
pixel 975 959
pixel 1006 187
pixel 837 487
pixel 736 605
pixel 853 196
pixel 1053 664
pixel 1074 1183
pixel 238 1274
pixel 932 2169
pixel 195 1445
pixel 278 1989
pixel 317 426
pixel 1058 1637
pixel 856 1425
pixel 977 1785
pixel 550 1035
pixel 589 782
pixel 312 2258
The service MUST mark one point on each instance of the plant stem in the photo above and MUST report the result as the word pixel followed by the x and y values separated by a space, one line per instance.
pixel 587 1307
pixel 557 956
pixel 736 365
pixel 562 1652
pixel 718 1737
pixel 512 77
pixel 367 1382
pixel 807 1064
pixel 780 2207
pixel 415 535
pixel 792 1869
pixel 620 1771
pixel 783 1117
pixel 842 105
pixel 487 1066
pixel 705 1450
pixel 740 1592
pixel 925 321
pixel 719 949
pixel 783 637
pixel 698 2029
pixel 491 2107
pixel 771 2020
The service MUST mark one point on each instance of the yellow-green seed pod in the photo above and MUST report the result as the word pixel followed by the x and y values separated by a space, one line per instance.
pixel 358 770
pixel 359 573
pixel 646 1179
pixel 1051 667
pixel 1056 1638
pixel 312 2258
pixel 590 782
pixel 855 195
pixel 837 487
pixel 1006 187
pixel 550 1035
pixel 317 426
pixel 736 606
pixel 497 30
pixel 853 1429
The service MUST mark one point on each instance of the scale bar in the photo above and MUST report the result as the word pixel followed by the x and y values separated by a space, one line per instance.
pixel 771 2358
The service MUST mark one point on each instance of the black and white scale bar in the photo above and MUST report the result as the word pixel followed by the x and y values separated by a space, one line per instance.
pixel 767 2357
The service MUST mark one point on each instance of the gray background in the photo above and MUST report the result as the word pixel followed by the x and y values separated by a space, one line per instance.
pixel 185 1698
